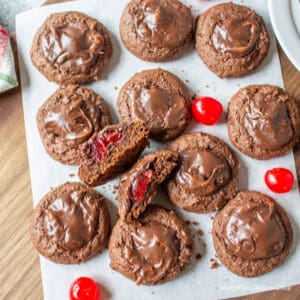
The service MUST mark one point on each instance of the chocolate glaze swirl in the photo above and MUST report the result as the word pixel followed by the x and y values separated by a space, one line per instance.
pixel 236 36
pixel 151 251
pixel 162 22
pixel 71 220
pixel 69 121
pixel 255 231
pixel 202 172
pixel 72 45
pixel 160 110
pixel 268 122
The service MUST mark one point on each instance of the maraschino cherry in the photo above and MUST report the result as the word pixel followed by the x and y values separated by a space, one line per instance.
pixel 207 110
pixel 140 185
pixel 84 288
pixel 279 180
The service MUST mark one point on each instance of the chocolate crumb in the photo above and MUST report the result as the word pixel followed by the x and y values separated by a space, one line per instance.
pixel 200 232
pixel 198 255
pixel 195 223
pixel 187 81
pixel 71 174
pixel 115 87
pixel 214 265
pixel 188 222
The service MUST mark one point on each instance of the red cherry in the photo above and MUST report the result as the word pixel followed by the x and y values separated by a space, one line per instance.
pixel 279 180
pixel 101 143
pixel 84 288
pixel 207 110
pixel 4 32
pixel 140 185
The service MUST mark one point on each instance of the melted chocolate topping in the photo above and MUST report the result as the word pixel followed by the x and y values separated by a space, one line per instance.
pixel 71 220
pixel 255 231
pixel 69 122
pixel 163 22
pixel 160 110
pixel 151 251
pixel 203 172
pixel 268 122
pixel 72 46
pixel 236 36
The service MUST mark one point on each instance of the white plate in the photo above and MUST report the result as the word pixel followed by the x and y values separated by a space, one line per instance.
pixel 285 18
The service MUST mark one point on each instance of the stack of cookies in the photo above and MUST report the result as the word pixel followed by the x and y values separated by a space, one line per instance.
pixel 199 172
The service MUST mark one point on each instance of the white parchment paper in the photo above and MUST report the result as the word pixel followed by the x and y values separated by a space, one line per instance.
pixel 199 282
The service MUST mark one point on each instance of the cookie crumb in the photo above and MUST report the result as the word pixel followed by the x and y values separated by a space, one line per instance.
pixel 200 232
pixel 188 222
pixel 187 81
pixel 115 87
pixel 71 174
pixel 195 223
pixel 214 264
pixel 198 256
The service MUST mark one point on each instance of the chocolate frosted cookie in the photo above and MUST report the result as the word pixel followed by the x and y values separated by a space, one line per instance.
pixel 252 234
pixel 71 47
pixel 111 151
pixel 158 98
pixel 156 30
pixel 232 40
pixel 263 121
pixel 67 119
pixel 207 174
pixel 70 224
pixel 154 249
pixel 139 185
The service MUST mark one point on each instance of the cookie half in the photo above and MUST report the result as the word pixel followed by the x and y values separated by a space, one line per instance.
pixel 252 234
pixel 71 47
pixel 156 30
pixel 207 174
pixel 232 40
pixel 160 99
pixel 68 118
pixel 70 224
pixel 138 186
pixel 111 151
pixel 156 248
pixel 263 121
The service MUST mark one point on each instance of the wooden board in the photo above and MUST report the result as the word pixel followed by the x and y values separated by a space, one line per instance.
pixel 20 276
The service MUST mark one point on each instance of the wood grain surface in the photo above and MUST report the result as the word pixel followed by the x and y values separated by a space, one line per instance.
pixel 20 276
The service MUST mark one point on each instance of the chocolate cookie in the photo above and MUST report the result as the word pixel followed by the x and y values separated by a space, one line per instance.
pixel 263 121
pixel 252 234
pixel 156 30
pixel 70 224
pixel 67 119
pixel 232 40
pixel 154 249
pixel 207 175
pixel 111 151
pixel 71 47
pixel 158 98
pixel 139 185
